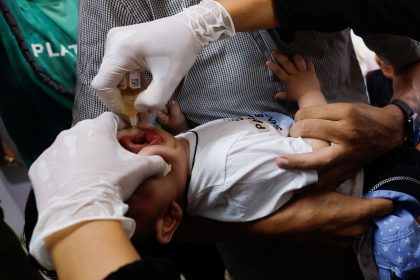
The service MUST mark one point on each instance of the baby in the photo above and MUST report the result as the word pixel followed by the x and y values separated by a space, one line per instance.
pixel 225 169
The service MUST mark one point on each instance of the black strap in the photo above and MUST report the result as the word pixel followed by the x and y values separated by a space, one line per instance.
pixel 408 121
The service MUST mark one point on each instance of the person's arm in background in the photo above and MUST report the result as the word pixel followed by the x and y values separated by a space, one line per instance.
pixel 363 16
pixel 327 217
pixel 361 132
pixel 91 250
pixel 102 250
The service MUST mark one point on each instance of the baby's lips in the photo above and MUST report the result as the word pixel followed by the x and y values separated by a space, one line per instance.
pixel 132 145
pixel 135 140
pixel 152 137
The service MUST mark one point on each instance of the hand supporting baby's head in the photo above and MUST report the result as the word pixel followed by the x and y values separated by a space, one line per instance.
pixel 155 205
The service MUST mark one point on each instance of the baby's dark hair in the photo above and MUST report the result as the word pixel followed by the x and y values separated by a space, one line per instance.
pixel 145 232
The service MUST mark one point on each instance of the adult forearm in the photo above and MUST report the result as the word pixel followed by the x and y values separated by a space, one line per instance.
pixel 251 15
pixel 316 217
pixel 91 250
pixel 364 16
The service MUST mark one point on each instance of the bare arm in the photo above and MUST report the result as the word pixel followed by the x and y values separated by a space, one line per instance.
pixel 388 17
pixel 302 86
pixel 319 217
pixel 91 250
pixel 251 14
pixel 301 82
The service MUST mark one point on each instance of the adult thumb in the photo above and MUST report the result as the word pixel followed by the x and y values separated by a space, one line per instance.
pixel 154 97
pixel 319 159
pixel 139 168
pixel 167 74
pixel 377 207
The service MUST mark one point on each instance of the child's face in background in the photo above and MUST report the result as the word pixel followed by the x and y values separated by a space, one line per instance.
pixel 155 194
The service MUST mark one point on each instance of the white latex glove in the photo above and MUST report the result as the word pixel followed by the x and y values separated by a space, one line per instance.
pixel 167 47
pixel 86 175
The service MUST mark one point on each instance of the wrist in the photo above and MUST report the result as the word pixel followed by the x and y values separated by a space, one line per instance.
pixel 410 122
pixel 251 15
pixel 60 214
pixel 90 250
pixel 396 120
pixel 311 98
pixel 209 21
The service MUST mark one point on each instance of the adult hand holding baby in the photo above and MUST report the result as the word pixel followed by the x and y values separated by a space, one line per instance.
pixel 358 133
pixel 167 47
pixel 86 175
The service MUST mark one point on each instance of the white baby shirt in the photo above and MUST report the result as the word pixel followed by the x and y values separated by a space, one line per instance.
pixel 234 177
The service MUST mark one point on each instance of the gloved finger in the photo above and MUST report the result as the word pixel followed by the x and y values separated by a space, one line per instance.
pixel 166 77
pixel 106 82
pixel 138 168
pixel 112 121
pixel 111 97
pixel 153 98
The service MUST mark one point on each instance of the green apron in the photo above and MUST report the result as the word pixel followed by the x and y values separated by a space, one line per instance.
pixel 37 71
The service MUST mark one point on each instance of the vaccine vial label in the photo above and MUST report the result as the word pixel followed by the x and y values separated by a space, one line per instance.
pixel 130 80
pixel 135 79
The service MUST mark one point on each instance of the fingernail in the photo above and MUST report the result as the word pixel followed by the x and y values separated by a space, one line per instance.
pixel 168 169
pixel 282 162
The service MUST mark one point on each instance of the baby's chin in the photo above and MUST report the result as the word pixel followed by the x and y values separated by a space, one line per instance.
pixel 135 139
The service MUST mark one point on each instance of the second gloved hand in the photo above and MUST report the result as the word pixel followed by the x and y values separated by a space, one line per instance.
pixel 166 47
pixel 86 175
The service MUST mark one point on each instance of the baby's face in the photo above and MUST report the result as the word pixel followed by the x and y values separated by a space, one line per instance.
pixel 155 194
pixel 135 139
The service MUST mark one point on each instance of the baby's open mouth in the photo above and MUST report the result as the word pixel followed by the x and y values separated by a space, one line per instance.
pixel 135 140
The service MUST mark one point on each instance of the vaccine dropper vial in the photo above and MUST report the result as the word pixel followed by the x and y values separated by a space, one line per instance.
pixel 130 86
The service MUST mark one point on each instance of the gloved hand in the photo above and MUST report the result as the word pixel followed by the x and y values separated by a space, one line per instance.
pixel 86 175
pixel 167 47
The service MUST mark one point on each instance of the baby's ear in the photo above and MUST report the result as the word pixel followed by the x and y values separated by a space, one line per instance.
pixel 168 223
